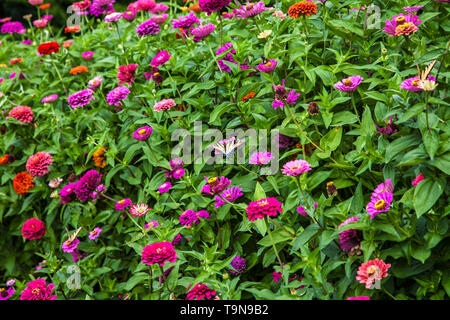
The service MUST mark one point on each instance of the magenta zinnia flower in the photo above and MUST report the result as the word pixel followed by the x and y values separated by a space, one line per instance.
pixel 129 15
pixel 178 173
pixel 200 291
pixel 382 187
pixel 359 298
pixel 349 84
pixel 210 6
pixel 70 246
pixel 116 95
pixel 402 25
pixel 372 270
pixel 138 210
pixel 165 104
pixel 87 184
pixel 229 194
pixel 122 204
pixel 412 84
pixel 143 133
pixel 302 211
pixel 350 238
pixel 22 113
pixel 147 28
pixel 165 187
pixel 260 158
pixel 185 22
pixel 215 185
pixel 151 224
pixel 127 74
pixel 5 294
pixel 296 167
pixel 258 209
pixel 80 98
pixel 95 233
pixel 419 178
pixel 67 193
pixel 50 98
pixel 159 252
pixel 380 204
pixel 37 164
pixel 203 31
pixel 160 59
pixel 249 10
pixel 38 290
pixel 268 66
pixel 33 229
pixel 227 57
pixel 13 27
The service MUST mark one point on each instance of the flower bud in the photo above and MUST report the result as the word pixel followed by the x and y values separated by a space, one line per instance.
pixel 313 108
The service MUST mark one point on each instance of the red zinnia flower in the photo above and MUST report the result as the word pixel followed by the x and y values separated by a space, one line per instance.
pixel 33 229
pixel 75 28
pixel 127 74
pixel 23 182
pixel 302 8
pixel 48 47
pixel 159 252
pixel 15 60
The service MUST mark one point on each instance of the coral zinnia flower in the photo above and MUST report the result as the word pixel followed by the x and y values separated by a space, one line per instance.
pixel 4 159
pixel 48 47
pixel 45 6
pixel 98 157
pixel 269 206
pixel 249 96
pixel 159 252
pixel 38 290
pixel 72 29
pixel 296 167
pixel 200 291
pixel 37 164
pixel 33 229
pixel 302 8
pixel 23 182
pixel 371 271
pixel 22 113
pixel 78 69
pixel 15 60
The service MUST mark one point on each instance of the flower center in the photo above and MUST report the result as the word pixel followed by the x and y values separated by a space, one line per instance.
pixel 329 184
pixel 415 82
pixel 380 204
pixel 263 203
pixel 212 180
pixel 35 290
pixel 94 232
pixel 68 243
pixel 121 201
pixel 68 190
pixel 347 82
pixel 372 270
pixel 400 20
pixel 268 64
pixel 142 131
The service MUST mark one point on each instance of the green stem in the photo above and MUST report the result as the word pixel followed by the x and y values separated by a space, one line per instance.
pixel 387 292
pixel 59 75
pixel 280 226
pixel 151 150
pixel 140 227
pixel 165 281
pixel 355 109
pixel 271 240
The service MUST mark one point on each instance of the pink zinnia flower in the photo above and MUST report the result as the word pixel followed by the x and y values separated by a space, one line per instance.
pixel 178 173
pixel 371 271
pixel 302 211
pixel 37 164
pixel 124 203
pixel 87 184
pixel 95 233
pixel 38 290
pixel 165 104
pixel 33 229
pixel 349 84
pixel 185 22
pixel 279 14
pixel 412 84
pixel 164 187
pixel 80 98
pixel 268 66
pixel 40 23
pixel 260 158
pixel 139 209
pixel 210 6
pixel 160 59
pixel 129 15
pixel 159 252
pixel 143 133
pixel 35 2
pixel 386 186
pixel 159 19
pixel 87 55
pixel 229 194
pixel 113 17
pixel 146 5
pixel 215 185
pixel 379 205
pixel 249 10
pixel 258 209
pixel 127 74
pixel 5 294
pixel 350 238
pixel 200 291
pixel 419 178
pixel 402 25
pixel 50 98
pixel 203 31
pixel 412 9
pixel 22 113
pixel 296 167
pixel 70 246
pixel 151 224
pixel 116 95
pixel 276 276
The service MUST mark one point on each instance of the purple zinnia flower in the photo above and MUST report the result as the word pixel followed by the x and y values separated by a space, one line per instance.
pixel 389 129
pixel 349 84
pixel 147 28
pixel 188 217
pixel 296 167
pixel 285 141
pixel 50 98
pixel 261 158
pixel 67 193
pixel 380 204
pixel 28 42
pixel 239 265
pixel 210 6
pixel 80 98
pixel 116 95
pixel 249 10
pixel 124 203
pixel 229 194
pixel 129 15
pixel 160 59
pixel 88 183
pixel 95 233
pixel 350 238
pixel 215 185
pixel 228 56
pixel 70 246
pixel 143 133
pixel 267 66
pixel 164 187
pixel 185 22
pixel 203 31
pixel 13 27
pixel 177 239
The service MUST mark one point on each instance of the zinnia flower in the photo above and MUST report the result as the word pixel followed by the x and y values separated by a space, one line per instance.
pixel 87 184
pixel 80 98
pixel 72 29
pixel 69 246
pixel 229 194
pixel 371 271
pixel 37 164
pixel 302 211
pixel 389 129
pixel 48 47
pixel 215 185
pixel 139 209
pixel 12 27
pixel 143 133
pixel 95 233
pixel 40 23
pixel 402 25
pixel 159 252
pixel 22 113
pixel 267 66
pixel 268 206
pixel 349 84
pixel 164 187
pixel 151 224
pixel 260 158
pixel 412 9
pixel 116 95
pixel 50 98
pixel 127 74
pixel 23 182
pixel 200 290
pixel 165 104
pixel 147 28
pixel 379 205
pixel 302 9
pixel 78 69
pixel 296 167
pixel 5 294
pixel 67 193
pixel 419 178
pixel 227 57
pixel 239 265
pixel 129 15
pixel 159 19
pixel 351 238
pixel 122 204
pixel 185 22
pixel 249 10
pixel 87 55
pixel 33 229
pixel 95 83
pixel 113 17
pixel 210 6
pixel 178 173
pixel 413 84
pixel 276 276
pixel 160 59
pixel 386 186
pixel 203 31
pixel 38 290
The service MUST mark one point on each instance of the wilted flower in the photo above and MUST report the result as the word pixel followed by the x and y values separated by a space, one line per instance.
pixel 313 108
pixel 54 183
pixel 389 129
pixel 331 189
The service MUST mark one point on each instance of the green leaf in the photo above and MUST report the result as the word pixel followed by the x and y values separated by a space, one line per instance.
pixel 332 139
pixel 135 280
pixel 260 224
pixel 426 194
pixel 259 192
pixel 431 141
pixel 305 236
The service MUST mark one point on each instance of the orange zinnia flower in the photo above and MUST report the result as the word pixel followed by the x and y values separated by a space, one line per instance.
pixel 4 159
pixel 78 69
pixel 195 8
pixel 23 182
pixel 249 96
pixel 45 6
pixel 302 8
pixel 75 28
pixel 67 43
pixel 98 157
pixel 15 60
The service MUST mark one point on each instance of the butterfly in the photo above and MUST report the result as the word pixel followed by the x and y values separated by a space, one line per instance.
pixel 227 147
pixel 74 235
pixel 423 82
